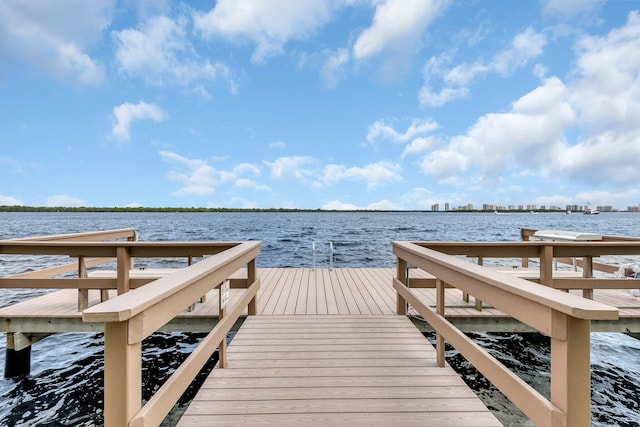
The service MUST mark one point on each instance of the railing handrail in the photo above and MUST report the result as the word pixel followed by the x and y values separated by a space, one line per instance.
pixel 569 304
pixel 526 233
pixel 134 302
pixel 564 317
pixel 134 315
pixel 109 249
pixel 122 233
pixel 531 248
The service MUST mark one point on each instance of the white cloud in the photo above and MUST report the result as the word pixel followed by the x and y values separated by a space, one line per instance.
pixel 382 131
pixel 160 53
pixel 374 175
pixel 238 202
pixel 334 67
pixel 277 144
pixel 607 92
pixel 431 98
pixel 54 36
pixel 197 177
pixel 337 205
pixel 125 114
pixel 60 200
pixel 416 198
pixel 525 47
pixel 570 8
pixel 420 145
pixel 608 157
pixel 250 183
pixel 586 130
pixel 530 136
pixel 397 27
pixel 237 175
pixel 606 95
pixel 291 167
pixel 270 24
pixel 10 201
pixel 445 164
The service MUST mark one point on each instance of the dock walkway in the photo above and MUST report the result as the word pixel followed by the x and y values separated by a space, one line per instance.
pixel 334 370
pixel 325 346
pixel 305 291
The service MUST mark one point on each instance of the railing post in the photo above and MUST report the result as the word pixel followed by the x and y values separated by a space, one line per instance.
pixel 122 375
pixel 478 303
pixel 546 265
pixel 440 287
pixel 401 306
pixel 587 271
pixel 223 295
pixel 525 238
pixel 83 294
pixel 124 267
pixel 252 274
pixel 571 369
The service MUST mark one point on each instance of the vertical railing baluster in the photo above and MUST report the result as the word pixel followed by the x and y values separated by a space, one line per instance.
pixel 83 294
pixel 440 298
pixel 401 303
pixel 252 275
pixel 124 267
pixel 223 294
pixel 587 272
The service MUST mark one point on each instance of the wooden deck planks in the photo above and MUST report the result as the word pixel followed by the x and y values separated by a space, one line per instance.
pixel 334 370
pixel 289 291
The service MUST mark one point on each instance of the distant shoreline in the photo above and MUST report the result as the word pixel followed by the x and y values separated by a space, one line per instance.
pixel 272 210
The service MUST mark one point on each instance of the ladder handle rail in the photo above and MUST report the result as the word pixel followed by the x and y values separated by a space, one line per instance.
pixel 330 254
pixel 564 317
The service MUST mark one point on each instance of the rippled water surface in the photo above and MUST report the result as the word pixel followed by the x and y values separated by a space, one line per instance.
pixel 64 387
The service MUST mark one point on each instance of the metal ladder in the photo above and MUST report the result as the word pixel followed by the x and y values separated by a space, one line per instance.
pixel 330 254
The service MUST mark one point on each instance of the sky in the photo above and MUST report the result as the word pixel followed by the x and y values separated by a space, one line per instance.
pixel 319 104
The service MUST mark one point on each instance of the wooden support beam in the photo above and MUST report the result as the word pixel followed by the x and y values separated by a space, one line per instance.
pixel 122 375
pixel 571 370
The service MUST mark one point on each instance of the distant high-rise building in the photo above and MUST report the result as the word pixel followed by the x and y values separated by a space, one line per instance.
pixel 446 206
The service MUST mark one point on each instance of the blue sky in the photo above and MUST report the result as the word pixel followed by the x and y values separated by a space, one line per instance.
pixel 376 104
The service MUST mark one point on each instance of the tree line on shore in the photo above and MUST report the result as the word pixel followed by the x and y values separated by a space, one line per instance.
pixel 203 209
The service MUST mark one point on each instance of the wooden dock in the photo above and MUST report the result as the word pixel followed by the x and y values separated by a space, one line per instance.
pixel 334 370
pixel 306 291
pixel 325 346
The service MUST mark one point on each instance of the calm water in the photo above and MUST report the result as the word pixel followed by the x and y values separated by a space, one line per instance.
pixel 64 387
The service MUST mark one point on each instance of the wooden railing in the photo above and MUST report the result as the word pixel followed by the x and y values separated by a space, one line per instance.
pixel 587 263
pixel 547 252
pixel 563 317
pixel 140 310
pixel 91 253
pixel 133 316
pixel 80 267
